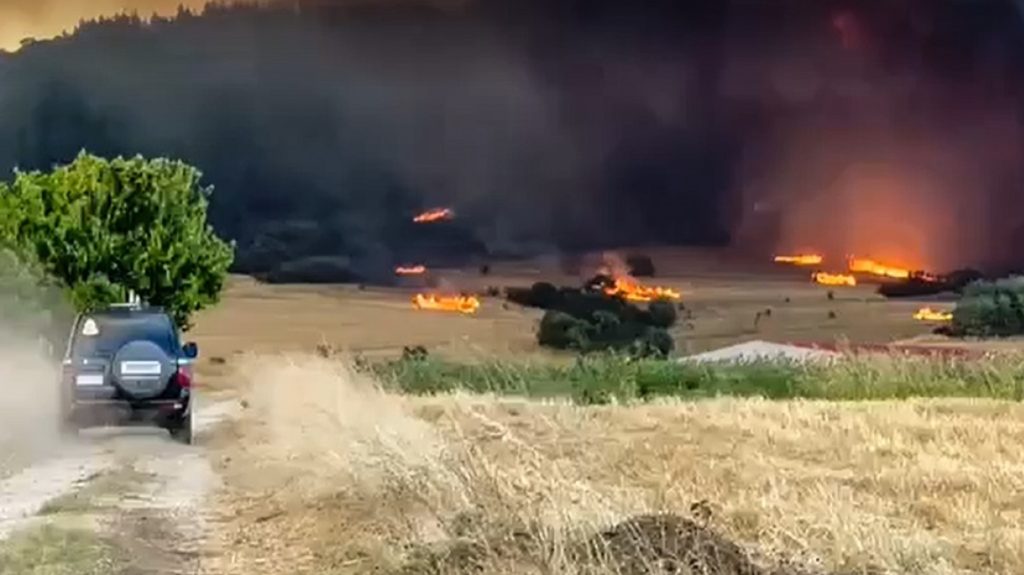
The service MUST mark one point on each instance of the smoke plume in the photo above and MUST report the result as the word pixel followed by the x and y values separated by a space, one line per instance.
pixel 889 130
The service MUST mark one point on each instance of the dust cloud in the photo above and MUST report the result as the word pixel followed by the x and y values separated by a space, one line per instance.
pixel 29 403
pixel 33 318
pixel 323 420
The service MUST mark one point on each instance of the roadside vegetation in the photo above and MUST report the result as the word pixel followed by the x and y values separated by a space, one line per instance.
pixel 599 379
pixel 52 550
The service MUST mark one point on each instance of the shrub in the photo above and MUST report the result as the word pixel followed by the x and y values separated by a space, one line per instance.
pixel 990 309
pixel 544 295
pixel 541 295
pixel 656 343
pixel 103 227
pixel 562 331
pixel 662 313
pixel 590 320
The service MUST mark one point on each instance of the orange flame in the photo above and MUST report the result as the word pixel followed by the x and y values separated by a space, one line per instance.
pixel 461 304
pixel 410 271
pixel 434 215
pixel 929 314
pixel 632 290
pixel 827 279
pixel 800 260
pixel 861 265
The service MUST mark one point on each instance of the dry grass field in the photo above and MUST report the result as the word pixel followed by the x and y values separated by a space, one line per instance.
pixel 326 473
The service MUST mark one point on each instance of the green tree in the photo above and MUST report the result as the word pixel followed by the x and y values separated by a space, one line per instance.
pixel 103 227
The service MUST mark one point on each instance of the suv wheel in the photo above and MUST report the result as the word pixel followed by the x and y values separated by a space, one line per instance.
pixel 182 430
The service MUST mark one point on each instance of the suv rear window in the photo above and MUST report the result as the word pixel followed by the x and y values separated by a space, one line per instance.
pixel 112 332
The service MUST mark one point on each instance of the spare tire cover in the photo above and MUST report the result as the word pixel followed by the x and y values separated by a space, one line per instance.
pixel 141 369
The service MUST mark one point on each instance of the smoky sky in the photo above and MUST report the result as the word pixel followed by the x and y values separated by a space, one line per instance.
pixel 889 130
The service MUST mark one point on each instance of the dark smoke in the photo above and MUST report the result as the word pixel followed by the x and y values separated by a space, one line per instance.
pixel 887 129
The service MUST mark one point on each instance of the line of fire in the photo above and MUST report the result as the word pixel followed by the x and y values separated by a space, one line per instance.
pixel 893 279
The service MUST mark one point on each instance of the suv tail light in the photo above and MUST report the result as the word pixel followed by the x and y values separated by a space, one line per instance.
pixel 183 378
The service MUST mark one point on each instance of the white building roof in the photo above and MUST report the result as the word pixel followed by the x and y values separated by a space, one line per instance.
pixel 759 350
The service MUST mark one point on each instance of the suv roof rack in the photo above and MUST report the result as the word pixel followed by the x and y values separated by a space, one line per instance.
pixel 134 303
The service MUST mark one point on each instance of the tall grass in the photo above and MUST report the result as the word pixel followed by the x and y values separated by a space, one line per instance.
pixel 612 378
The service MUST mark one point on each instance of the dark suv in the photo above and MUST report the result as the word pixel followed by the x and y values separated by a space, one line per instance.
pixel 127 361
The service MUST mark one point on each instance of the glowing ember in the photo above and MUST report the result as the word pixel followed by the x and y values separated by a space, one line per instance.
pixel 410 271
pixel 435 215
pixel 866 266
pixel 460 304
pixel 929 314
pixel 800 260
pixel 827 279
pixel 632 290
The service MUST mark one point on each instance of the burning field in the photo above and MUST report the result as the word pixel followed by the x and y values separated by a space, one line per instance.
pixel 891 280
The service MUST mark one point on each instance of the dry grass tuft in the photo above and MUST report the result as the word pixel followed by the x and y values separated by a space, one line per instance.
pixel 342 477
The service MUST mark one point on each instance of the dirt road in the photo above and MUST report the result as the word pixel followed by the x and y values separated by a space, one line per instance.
pixel 115 500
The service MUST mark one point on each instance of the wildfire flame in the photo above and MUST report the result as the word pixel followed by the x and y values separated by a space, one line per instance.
pixel 800 260
pixel 825 278
pixel 632 290
pixel 410 271
pixel 460 304
pixel 434 215
pixel 861 265
pixel 929 314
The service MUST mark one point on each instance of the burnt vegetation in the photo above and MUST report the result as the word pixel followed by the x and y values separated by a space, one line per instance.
pixel 918 285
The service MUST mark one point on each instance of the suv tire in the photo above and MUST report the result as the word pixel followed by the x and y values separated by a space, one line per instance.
pixel 181 431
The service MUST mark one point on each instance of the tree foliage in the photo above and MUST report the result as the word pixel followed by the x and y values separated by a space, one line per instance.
pixel 103 227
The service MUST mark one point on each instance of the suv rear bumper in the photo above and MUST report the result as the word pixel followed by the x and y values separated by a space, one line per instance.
pixel 161 412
